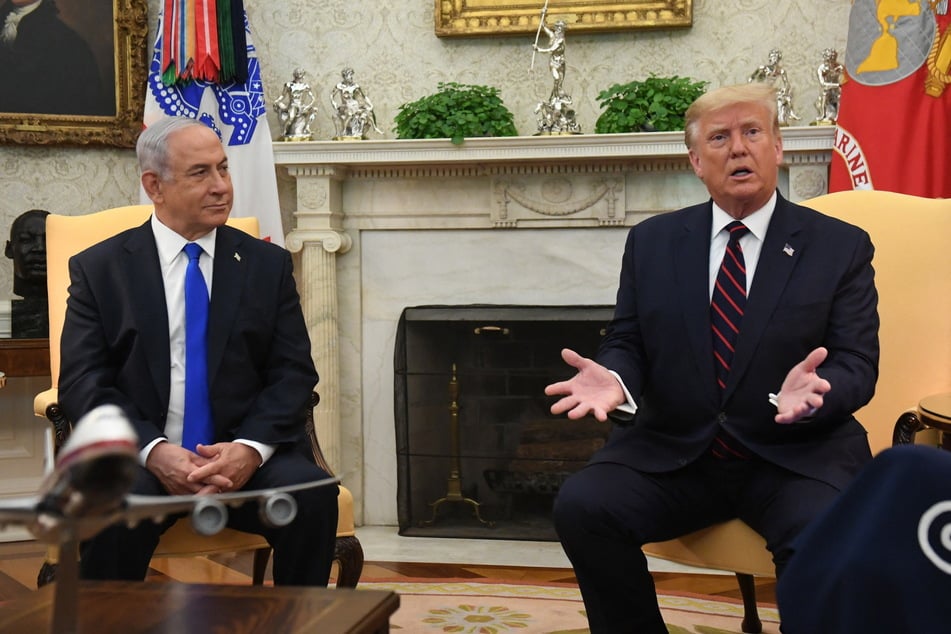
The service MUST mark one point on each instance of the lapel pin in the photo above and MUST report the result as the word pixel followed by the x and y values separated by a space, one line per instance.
pixel 237 257
pixel 788 250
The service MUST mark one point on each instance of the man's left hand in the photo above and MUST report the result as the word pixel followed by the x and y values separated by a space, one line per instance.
pixel 235 461
pixel 803 389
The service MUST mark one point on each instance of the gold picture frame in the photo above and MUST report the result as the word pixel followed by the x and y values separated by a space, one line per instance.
pixel 115 32
pixel 470 18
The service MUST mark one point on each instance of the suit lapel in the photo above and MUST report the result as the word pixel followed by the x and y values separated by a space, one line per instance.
pixel 691 264
pixel 227 283
pixel 779 255
pixel 143 274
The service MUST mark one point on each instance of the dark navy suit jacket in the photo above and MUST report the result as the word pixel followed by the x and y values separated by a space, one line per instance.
pixel 813 286
pixel 115 346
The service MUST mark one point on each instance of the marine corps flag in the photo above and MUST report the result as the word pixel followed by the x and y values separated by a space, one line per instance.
pixel 204 66
pixel 894 123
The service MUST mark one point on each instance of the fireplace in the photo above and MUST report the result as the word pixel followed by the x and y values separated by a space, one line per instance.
pixel 385 224
pixel 478 452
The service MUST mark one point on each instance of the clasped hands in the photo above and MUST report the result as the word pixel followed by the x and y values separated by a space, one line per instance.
pixel 217 468
pixel 594 390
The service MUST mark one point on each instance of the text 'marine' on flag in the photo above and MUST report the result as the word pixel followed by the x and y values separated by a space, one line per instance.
pixel 234 108
pixel 894 122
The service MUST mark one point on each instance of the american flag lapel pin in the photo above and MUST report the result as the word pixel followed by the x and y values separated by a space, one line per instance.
pixel 237 257
pixel 788 250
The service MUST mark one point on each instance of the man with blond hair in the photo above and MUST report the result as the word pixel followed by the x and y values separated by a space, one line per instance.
pixel 744 337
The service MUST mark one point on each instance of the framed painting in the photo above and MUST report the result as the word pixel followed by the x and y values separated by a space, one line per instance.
pixel 469 18
pixel 72 71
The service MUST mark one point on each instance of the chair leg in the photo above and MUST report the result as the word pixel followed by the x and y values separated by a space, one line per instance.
pixel 259 567
pixel 348 553
pixel 751 623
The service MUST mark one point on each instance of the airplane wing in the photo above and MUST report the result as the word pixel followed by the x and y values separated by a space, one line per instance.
pixel 18 511
pixel 88 489
pixel 209 513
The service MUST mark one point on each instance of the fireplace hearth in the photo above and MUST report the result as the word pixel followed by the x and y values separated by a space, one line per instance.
pixel 478 452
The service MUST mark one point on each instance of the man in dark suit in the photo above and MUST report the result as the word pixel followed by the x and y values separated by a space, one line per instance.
pixel 124 343
pixel 702 438
pixel 46 67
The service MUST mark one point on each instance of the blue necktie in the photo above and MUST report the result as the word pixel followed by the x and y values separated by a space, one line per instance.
pixel 197 421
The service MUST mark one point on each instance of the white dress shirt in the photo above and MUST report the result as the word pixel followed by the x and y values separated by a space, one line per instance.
pixel 173 262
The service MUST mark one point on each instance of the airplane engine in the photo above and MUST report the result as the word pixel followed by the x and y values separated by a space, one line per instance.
pixel 209 517
pixel 278 510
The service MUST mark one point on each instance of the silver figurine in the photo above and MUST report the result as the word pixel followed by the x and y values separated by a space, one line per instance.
pixel 352 110
pixel 774 74
pixel 830 74
pixel 554 116
pixel 296 109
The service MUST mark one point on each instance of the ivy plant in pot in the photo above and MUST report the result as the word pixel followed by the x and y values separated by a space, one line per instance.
pixel 455 111
pixel 656 104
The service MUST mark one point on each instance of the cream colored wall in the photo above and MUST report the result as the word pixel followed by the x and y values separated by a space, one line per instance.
pixel 397 59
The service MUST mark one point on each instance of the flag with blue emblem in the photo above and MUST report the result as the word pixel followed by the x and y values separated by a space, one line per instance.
pixel 204 66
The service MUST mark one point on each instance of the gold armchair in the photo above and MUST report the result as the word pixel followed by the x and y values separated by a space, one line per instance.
pixel 913 276
pixel 68 235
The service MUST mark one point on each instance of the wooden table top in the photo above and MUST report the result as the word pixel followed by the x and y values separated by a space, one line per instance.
pixel 160 607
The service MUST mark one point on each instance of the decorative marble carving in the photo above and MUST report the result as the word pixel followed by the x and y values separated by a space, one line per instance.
pixel 521 203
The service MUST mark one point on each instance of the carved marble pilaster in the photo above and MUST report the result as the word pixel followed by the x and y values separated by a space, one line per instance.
pixel 318 239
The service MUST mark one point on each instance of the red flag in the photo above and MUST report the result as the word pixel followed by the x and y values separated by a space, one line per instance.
pixel 894 123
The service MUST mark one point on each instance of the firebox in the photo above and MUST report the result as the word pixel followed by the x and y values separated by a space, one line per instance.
pixel 479 454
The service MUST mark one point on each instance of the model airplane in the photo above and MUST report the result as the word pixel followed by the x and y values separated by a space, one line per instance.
pixel 88 490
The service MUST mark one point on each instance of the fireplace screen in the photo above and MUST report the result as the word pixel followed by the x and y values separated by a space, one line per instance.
pixel 479 454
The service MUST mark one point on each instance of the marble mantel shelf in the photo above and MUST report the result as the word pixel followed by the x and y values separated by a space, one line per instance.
pixel 533 149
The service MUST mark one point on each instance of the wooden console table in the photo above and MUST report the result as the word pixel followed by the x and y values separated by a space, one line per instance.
pixel 168 607
pixel 25 357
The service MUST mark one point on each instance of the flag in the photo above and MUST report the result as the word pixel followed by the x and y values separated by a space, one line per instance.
pixel 236 110
pixel 894 123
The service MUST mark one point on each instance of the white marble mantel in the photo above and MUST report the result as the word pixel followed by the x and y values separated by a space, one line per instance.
pixel 381 225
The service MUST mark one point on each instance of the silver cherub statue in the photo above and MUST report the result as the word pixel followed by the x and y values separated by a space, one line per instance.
pixel 774 74
pixel 830 74
pixel 352 110
pixel 296 109
pixel 554 116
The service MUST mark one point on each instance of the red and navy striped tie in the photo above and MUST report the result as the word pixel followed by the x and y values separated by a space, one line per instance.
pixel 726 315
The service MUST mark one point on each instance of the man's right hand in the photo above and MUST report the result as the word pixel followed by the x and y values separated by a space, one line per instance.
pixel 172 464
pixel 593 390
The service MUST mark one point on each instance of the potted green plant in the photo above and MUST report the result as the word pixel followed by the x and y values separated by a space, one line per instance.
pixel 656 104
pixel 455 111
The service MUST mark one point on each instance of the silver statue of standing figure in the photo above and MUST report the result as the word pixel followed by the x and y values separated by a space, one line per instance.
pixel 554 116
pixel 830 74
pixel 296 109
pixel 352 110
pixel 774 74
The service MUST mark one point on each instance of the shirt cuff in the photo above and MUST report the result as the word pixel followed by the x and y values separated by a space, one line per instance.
pixel 629 407
pixel 266 451
pixel 145 451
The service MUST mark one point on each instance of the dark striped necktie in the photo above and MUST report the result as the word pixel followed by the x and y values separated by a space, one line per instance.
pixel 726 314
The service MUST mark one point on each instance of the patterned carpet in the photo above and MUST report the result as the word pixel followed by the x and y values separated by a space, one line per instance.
pixel 488 606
